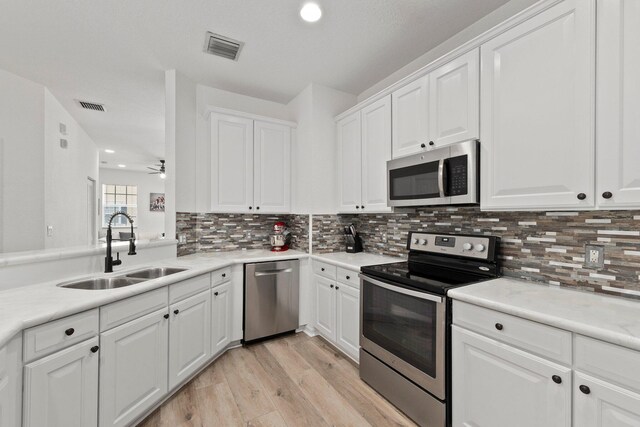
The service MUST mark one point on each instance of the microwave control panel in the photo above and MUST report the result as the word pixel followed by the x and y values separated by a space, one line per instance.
pixel 458 180
pixel 477 247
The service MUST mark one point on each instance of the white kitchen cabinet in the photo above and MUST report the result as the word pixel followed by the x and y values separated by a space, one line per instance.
pixel 250 165
pixel 62 388
pixel 364 146
pixel 221 320
pixel 325 307
pixel 338 310
pixel 410 126
pixel 496 385
pixel 601 404
pixel 349 163
pixel 133 368
pixel 618 104
pixel 454 100
pixel 189 337
pixel 348 319
pixel 11 383
pixel 537 112
pixel 231 163
pixel 376 150
pixel 272 170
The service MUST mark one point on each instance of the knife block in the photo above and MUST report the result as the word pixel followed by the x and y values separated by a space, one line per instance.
pixel 354 243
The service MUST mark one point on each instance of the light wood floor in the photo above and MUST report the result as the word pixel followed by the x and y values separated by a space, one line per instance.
pixel 292 381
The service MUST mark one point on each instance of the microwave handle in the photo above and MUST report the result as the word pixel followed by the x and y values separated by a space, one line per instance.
pixel 441 178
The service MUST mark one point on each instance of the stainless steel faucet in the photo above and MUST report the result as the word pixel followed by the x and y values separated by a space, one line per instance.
pixel 108 260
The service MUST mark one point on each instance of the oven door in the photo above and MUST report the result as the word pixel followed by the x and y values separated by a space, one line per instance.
pixel 406 330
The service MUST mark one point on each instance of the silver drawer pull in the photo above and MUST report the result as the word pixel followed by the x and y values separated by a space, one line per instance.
pixel 272 272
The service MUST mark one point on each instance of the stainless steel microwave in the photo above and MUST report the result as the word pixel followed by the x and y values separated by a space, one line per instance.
pixel 442 176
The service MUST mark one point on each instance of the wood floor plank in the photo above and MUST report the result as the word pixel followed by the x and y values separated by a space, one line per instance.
pixel 247 389
pixel 272 419
pixel 182 410
pixel 292 381
pixel 345 379
pixel 211 375
pixel 285 394
pixel 217 406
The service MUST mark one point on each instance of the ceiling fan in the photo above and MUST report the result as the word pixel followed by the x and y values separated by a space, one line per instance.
pixel 160 171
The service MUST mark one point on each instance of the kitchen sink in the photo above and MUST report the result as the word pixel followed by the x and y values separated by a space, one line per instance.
pixel 102 283
pixel 154 273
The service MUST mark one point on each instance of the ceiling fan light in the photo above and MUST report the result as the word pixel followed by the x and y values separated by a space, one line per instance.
pixel 163 175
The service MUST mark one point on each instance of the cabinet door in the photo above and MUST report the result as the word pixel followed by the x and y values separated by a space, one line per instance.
pixel 349 163
pixel 272 171
pixel 189 336
pixel 618 108
pixel 231 164
pixel 133 368
pixel 62 389
pixel 376 150
pixel 605 405
pixel 454 99
pixel 410 105
pixel 326 308
pixel 495 385
pixel 348 319
pixel 537 105
pixel 221 317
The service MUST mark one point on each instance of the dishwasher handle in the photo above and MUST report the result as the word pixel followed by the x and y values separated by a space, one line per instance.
pixel 272 272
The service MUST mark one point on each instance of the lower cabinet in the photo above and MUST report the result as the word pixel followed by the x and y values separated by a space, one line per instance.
pixel 600 404
pixel 338 314
pixel 62 389
pixel 222 302
pixel 133 368
pixel 496 385
pixel 189 336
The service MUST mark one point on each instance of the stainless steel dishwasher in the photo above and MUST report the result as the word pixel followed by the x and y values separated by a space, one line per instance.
pixel 271 298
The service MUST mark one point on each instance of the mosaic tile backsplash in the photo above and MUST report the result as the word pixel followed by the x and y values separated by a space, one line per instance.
pixel 207 232
pixel 538 246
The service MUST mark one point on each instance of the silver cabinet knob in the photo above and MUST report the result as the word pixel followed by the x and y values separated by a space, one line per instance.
pixel 479 247
pixel 423 242
pixel 467 246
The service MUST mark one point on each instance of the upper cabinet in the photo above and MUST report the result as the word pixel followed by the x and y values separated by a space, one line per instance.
pixel 439 108
pixel 364 146
pixel 618 104
pixel 537 112
pixel 250 165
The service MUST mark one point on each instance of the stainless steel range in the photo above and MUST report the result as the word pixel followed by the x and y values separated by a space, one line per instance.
pixel 405 320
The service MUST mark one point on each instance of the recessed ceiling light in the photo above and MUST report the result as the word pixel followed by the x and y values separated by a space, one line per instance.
pixel 311 12
pixel 122 166
pixel 110 151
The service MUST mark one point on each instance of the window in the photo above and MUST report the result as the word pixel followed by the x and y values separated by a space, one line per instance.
pixel 119 198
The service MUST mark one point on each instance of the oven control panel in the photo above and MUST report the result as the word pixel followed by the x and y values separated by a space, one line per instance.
pixel 478 247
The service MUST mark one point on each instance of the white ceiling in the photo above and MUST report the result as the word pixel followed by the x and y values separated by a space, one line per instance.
pixel 115 52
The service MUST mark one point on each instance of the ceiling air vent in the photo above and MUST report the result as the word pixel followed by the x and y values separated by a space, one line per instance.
pixel 218 45
pixel 91 106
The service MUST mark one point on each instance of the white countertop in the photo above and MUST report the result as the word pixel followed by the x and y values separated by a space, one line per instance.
pixel 27 306
pixel 612 319
pixel 355 261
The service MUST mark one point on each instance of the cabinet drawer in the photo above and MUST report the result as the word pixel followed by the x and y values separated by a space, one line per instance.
pixel 220 276
pixel 608 361
pixel 348 277
pixel 186 288
pixel 118 313
pixel 324 269
pixel 45 339
pixel 543 340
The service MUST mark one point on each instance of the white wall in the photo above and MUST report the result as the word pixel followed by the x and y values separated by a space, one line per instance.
pixel 491 20
pixel 314 170
pixel 22 164
pixel 149 225
pixel 67 172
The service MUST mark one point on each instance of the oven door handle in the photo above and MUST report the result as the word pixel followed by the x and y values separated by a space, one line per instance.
pixel 400 290
pixel 441 177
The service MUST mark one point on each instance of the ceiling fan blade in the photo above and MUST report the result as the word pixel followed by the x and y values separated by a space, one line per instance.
pixel 153 169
